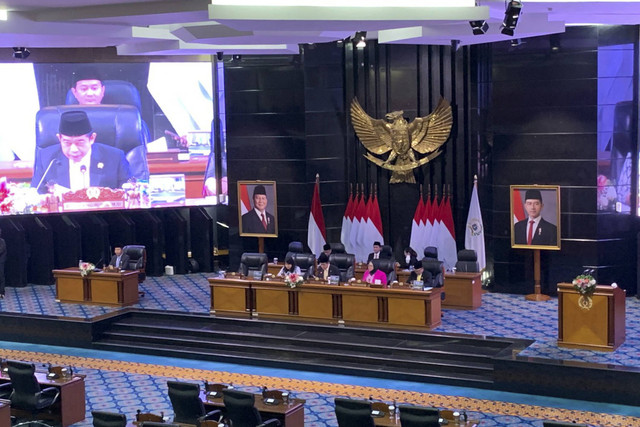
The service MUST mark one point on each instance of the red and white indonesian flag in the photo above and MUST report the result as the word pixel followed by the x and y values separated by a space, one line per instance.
pixel 347 221
pixel 417 228
pixel 518 209
pixel 433 219
pixel 474 234
pixel 364 232
pixel 245 202
pixel 316 234
pixel 375 223
pixel 447 250
pixel 358 208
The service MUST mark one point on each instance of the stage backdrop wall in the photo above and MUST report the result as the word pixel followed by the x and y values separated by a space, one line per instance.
pixel 550 100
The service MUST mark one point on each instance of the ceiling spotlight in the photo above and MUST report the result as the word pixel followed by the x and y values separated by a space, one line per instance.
pixel 516 42
pixel 479 27
pixel 361 39
pixel 21 53
pixel 237 57
pixel 219 55
pixel 511 15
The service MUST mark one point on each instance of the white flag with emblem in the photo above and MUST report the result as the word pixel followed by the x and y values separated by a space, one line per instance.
pixel 474 234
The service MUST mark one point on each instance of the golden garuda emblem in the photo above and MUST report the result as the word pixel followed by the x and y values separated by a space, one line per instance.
pixel 393 133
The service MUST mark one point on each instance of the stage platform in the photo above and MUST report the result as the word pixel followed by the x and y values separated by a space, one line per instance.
pixel 526 358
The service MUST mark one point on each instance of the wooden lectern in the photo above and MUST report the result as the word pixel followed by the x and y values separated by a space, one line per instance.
pixel 601 327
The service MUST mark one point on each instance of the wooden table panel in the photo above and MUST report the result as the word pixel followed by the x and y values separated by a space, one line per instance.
pixel 69 290
pixel 103 291
pixel 575 329
pixel 272 301
pixel 359 308
pixel 290 414
pixel 463 291
pixel 231 299
pixel 405 311
pixel 314 304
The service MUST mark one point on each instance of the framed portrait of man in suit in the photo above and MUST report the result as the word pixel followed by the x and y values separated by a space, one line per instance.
pixel 257 208
pixel 535 217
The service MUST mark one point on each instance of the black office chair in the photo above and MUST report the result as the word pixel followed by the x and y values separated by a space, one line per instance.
pixel 108 419
pixel 386 252
pixel 388 267
pixel 157 424
pixel 433 274
pixel 350 412
pixel 467 261
pixel 346 263
pixel 294 249
pixel 253 264
pixel 337 248
pixel 137 260
pixel 305 262
pixel 187 405
pixel 241 411
pixel 431 252
pixel 419 416
pixel 27 394
pixel 118 92
pixel 118 126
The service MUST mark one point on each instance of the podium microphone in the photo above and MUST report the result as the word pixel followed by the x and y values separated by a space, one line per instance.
pixel 46 172
pixel 83 171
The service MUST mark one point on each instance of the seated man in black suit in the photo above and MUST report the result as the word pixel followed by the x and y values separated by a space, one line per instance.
pixel 534 230
pixel 376 252
pixel 78 161
pixel 258 220
pixel 324 269
pixel 119 260
pixel 417 272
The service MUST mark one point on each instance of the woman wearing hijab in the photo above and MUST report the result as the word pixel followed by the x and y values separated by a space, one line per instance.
pixel 373 275
pixel 289 267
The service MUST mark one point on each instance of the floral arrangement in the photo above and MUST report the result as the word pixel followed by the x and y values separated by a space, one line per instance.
pixel 86 268
pixel 293 280
pixel 585 284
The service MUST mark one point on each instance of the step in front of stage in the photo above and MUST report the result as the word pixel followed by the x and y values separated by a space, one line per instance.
pixel 402 355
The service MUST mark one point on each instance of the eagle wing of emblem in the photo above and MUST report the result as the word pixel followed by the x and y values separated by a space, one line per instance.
pixel 430 132
pixel 373 133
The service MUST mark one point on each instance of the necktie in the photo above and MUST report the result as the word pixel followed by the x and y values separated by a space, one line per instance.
pixel 530 234
pixel 118 262
pixel 264 222
pixel 375 256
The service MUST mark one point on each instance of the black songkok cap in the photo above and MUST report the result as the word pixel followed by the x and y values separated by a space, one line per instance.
pixel 326 247
pixel 87 73
pixel 259 189
pixel 533 195
pixel 417 265
pixel 323 258
pixel 376 243
pixel 74 123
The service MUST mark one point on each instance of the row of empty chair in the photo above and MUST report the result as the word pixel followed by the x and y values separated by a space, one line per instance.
pixel 188 407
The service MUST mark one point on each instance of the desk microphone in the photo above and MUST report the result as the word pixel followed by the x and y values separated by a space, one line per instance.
pixel 83 171
pixel 57 162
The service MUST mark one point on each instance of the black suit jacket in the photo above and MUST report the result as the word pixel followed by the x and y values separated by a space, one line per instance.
pixel 251 223
pixel 380 256
pixel 109 167
pixel 124 262
pixel 545 234
pixel 403 262
pixel 319 272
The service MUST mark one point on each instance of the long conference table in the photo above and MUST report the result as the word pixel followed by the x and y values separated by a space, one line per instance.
pixel 290 414
pixel 398 306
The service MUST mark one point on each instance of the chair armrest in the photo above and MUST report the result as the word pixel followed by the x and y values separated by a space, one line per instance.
pixel 273 422
pixel 51 391
pixel 213 415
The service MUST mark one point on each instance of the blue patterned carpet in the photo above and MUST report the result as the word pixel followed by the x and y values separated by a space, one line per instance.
pixel 126 387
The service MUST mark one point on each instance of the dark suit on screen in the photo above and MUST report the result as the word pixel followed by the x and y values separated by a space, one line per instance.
pixel 109 167
pixel 252 223
pixel 545 234
pixel 124 261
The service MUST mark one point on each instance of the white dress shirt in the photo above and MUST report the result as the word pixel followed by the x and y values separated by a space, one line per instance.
pixel 77 179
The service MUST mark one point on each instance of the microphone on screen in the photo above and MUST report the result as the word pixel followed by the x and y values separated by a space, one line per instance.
pixel 83 171
pixel 51 163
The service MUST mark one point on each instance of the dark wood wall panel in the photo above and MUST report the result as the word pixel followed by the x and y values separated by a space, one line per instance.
pixel 545 121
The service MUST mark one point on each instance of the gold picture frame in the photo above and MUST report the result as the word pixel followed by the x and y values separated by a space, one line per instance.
pixel 257 209
pixel 545 212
